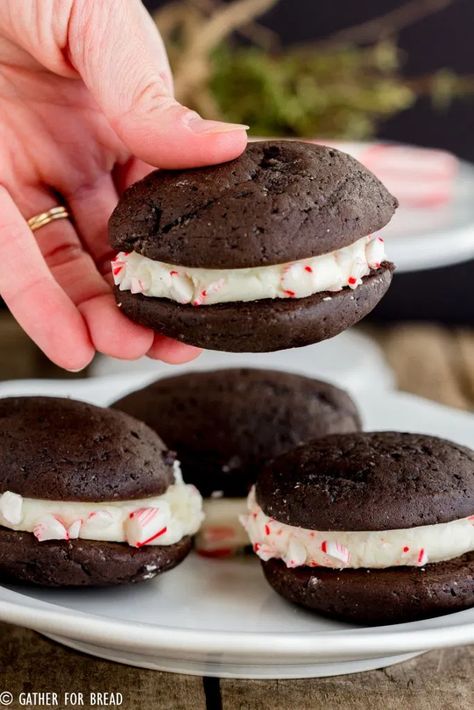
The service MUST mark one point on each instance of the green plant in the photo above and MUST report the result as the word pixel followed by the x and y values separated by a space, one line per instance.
pixel 341 86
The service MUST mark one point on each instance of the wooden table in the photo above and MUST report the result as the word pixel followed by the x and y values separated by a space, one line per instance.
pixel 428 360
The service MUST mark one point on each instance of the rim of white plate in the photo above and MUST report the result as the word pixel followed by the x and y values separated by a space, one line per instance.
pixel 382 639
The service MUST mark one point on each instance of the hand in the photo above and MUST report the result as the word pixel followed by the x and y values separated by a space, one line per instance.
pixel 86 107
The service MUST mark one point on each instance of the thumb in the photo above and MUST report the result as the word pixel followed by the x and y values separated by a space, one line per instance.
pixel 115 47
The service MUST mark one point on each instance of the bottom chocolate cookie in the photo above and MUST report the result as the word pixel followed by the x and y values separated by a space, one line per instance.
pixel 83 563
pixel 259 326
pixel 378 596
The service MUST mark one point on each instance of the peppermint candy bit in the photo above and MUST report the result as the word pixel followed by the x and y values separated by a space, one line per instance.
pixel 153 537
pixel 74 529
pixel 11 505
pixel 265 552
pixel 335 550
pixel 145 525
pixel 295 555
pixel 422 558
pixel 136 286
pixel 50 528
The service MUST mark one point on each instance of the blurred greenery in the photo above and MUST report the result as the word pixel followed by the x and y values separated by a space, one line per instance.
pixel 341 93
pixel 341 87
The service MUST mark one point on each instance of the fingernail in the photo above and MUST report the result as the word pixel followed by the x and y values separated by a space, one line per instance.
pixel 203 127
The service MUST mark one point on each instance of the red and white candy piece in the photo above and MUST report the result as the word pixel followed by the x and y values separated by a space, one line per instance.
pixel 358 270
pixel 375 252
pixel 145 525
pixel 136 285
pixel 11 505
pixel 264 551
pixel 289 280
pixel 422 558
pixel 49 527
pixel 295 555
pixel 181 287
pixel 334 549
pixel 74 529
pixel 117 266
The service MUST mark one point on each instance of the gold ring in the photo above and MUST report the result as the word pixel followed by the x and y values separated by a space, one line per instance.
pixel 41 220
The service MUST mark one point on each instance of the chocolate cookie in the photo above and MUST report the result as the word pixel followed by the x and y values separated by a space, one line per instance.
pixel 368 527
pixel 83 563
pixel 280 201
pixel 260 326
pixel 74 451
pixel 88 496
pixel 224 424
pixel 373 597
pixel 275 238
pixel 361 481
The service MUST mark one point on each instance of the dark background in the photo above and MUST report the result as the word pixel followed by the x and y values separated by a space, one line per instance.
pixel 444 39
pixel 441 40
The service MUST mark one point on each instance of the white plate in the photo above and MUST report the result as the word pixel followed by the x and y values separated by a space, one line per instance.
pixel 424 236
pixel 212 617
pixel 350 360
pixel 432 237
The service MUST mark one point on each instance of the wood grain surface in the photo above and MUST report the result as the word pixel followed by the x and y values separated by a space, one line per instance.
pixel 428 360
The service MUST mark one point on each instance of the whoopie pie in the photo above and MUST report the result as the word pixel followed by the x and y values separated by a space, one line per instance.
pixel 88 496
pixel 226 423
pixel 273 250
pixel 373 528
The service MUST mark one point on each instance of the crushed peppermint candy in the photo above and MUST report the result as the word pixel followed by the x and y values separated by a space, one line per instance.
pixel 330 272
pixel 50 528
pixel 11 505
pixel 297 546
pixel 146 525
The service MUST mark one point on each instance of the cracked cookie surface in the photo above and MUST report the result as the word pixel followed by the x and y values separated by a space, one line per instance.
pixel 279 201
pixel 61 449
pixel 369 481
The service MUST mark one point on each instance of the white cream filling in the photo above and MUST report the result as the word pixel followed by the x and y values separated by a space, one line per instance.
pixel 297 279
pixel 158 520
pixel 342 549
pixel 221 532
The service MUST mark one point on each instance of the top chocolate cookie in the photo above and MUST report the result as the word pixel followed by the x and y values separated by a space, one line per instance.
pixel 279 201
pixel 60 449
pixel 369 481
